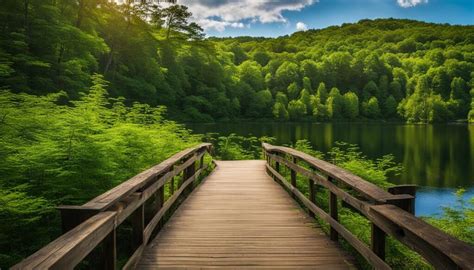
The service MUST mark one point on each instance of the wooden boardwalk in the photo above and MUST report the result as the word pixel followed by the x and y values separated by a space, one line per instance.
pixel 240 218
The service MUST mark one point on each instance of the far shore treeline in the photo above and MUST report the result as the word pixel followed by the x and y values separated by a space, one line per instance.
pixel 374 69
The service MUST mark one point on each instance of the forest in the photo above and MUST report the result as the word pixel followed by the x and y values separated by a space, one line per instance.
pixel 375 69
pixel 88 88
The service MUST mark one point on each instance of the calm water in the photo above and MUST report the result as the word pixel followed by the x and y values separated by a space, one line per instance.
pixel 438 158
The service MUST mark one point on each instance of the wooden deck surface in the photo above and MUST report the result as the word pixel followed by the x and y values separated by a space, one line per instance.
pixel 240 218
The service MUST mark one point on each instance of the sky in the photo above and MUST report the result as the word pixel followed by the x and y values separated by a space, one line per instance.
pixel 271 18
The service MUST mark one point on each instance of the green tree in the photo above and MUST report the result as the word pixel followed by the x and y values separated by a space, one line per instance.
pixel 322 93
pixel 293 91
pixel 390 107
pixel 351 105
pixel 286 74
pixel 320 110
pixel 415 107
pixel 296 109
pixel 307 84
pixel 250 72
pixel 305 98
pixel 371 108
pixel 370 90
pixel 470 116
pixel 335 104
pixel 459 97
pixel 280 112
pixel 261 57
pixel 177 24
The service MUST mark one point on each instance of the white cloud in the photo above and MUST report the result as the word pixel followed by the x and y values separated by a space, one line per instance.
pixel 300 26
pixel 410 3
pixel 219 14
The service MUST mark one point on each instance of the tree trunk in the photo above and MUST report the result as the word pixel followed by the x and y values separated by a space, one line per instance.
pixel 109 60
pixel 80 14
pixel 26 14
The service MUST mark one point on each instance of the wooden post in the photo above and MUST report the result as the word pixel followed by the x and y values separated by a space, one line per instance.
pixel 378 236
pixel 312 195
pixel 277 166
pixel 378 241
pixel 171 182
pixel 293 176
pixel 71 216
pixel 201 162
pixel 406 204
pixel 293 173
pixel 160 200
pixel 171 186
pixel 188 173
pixel 109 256
pixel 333 213
pixel 138 225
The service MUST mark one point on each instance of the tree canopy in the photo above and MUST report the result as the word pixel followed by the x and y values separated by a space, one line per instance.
pixel 155 55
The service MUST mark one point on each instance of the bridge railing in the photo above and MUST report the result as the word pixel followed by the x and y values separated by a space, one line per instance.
pixel 390 212
pixel 93 226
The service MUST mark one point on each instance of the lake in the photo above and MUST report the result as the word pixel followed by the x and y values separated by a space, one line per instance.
pixel 437 158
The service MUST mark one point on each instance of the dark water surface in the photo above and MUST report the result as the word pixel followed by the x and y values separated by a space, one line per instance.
pixel 438 158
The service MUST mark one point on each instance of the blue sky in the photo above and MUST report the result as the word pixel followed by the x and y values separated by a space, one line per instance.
pixel 280 17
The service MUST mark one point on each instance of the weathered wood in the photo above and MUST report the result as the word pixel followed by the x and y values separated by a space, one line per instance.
pixel 440 249
pixel 244 222
pixel 134 259
pixel 240 218
pixel 409 203
pixel 378 236
pixel 293 175
pixel 137 219
pixel 377 239
pixel 72 247
pixel 365 188
pixel 121 191
pixel 312 195
pixel 334 214
pixel 89 225
pixel 109 256
pixel 360 205
pixel 172 186
pixel 166 206
pixel 390 213
pixel 366 252
pixel 71 216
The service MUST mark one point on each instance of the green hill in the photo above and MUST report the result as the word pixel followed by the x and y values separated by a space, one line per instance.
pixel 376 69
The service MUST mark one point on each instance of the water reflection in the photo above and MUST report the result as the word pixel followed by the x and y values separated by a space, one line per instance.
pixel 432 155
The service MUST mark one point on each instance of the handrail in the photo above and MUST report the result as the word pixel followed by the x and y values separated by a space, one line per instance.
pixel 94 223
pixel 389 213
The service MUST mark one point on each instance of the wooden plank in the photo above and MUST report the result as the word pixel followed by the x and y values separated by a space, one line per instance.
pixel 121 191
pixel 359 205
pixel 240 218
pixel 72 247
pixel 334 215
pixel 109 253
pixel 368 189
pixel 358 245
pixel 166 206
pixel 440 249
pixel 377 239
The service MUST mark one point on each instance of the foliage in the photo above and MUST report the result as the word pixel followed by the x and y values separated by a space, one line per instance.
pixel 457 220
pixel 54 154
pixel 153 54
pixel 235 147
pixel 349 157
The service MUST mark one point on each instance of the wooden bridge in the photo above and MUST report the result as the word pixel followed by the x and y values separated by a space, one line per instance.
pixel 239 216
